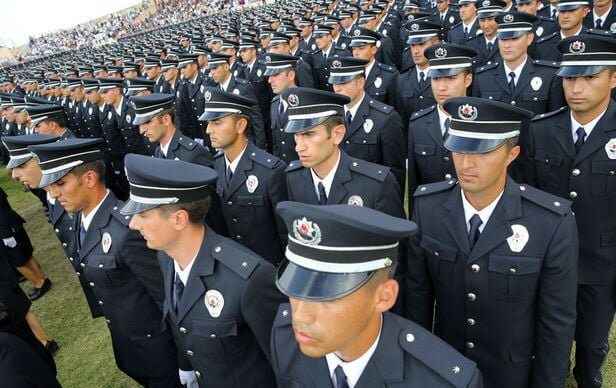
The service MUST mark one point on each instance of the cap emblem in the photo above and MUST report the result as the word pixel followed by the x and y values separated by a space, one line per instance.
pixel 467 112
pixel 486 3
pixel 207 95
pixel 440 52
pixel 336 64
pixel 508 18
pixel 356 33
pixel 268 59
pixel 577 47
pixel 293 100
pixel 307 231
pixel 414 27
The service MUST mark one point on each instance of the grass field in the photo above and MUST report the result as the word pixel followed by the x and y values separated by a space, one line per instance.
pixel 85 359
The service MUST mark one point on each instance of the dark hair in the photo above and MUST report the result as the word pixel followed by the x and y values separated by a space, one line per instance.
pixel 98 166
pixel 511 142
pixel 170 112
pixel 197 210
pixel 332 122
pixel 60 120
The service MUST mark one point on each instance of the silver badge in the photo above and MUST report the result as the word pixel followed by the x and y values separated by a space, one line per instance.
pixel 539 31
pixel 106 242
pixel 451 19
pixel 440 52
pixel 517 241
pixel 536 83
pixel 108 115
pixel 344 46
pixel 293 100
pixel 356 33
pixel 355 200
pixel 128 119
pixel 214 302
pixel 259 73
pixel 336 64
pixel 486 3
pixel 577 47
pixel 268 59
pixel 368 125
pixel 207 95
pixel 177 94
pixel 467 112
pixel 235 73
pixel 314 46
pixel 90 111
pixel 410 18
pixel 508 18
pixel 610 148
pixel 414 27
pixel 378 81
pixel 613 27
pixel 202 88
pixel 236 91
pixel 306 231
pixel 252 182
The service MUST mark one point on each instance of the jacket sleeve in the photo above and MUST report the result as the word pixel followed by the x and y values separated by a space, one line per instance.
pixel 393 147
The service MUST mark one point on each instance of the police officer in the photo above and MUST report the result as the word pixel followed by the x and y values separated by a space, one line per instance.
pixel 326 49
pixel 189 105
pixel 498 258
pixel 91 119
pixel 152 69
pixel 280 44
pixel 337 331
pixel 517 78
pixel 451 74
pixel 571 15
pixel 413 88
pixel 574 153
pixel 254 181
pixel 223 342
pixel 486 43
pixel 227 82
pixel 369 19
pixel 171 74
pixel 445 15
pixel 468 26
pixel 380 78
pixel 373 129
pixel 324 174
pixel 49 120
pixel 543 25
pixel 602 17
pixel 120 270
pixel 75 110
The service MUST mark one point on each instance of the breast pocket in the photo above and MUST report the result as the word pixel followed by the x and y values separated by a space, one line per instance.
pixel 250 200
pixel 441 259
pixel 364 145
pixel 548 167
pixel 603 180
pixel 103 269
pixel 513 278
pixel 216 338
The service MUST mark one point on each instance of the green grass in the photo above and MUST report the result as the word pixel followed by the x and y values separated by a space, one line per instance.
pixel 85 358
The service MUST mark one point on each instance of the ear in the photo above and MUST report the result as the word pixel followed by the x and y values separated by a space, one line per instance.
pixel 179 220
pixel 386 295
pixel 468 79
pixel 338 133
pixel 612 79
pixel 513 154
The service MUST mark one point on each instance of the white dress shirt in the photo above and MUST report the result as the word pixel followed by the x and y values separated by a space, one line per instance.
pixel 588 127
pixel 517 71
pixel 184 274
pixel 225 84
pixel 86 220
pixel 596 17
pixel 233 165
pixel 369 67
pixel 484 214
pixel 355 107
pixel 442 117
pixel 327 180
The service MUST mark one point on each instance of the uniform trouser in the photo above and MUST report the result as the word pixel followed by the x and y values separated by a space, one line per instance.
pixel 595 312
pixel 160 382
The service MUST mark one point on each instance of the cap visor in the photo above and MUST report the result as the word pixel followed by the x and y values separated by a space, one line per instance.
pixel 209 116
pixel 48 179
pixel 336 79
pixel 465 145
pixel 301 283
pixel 296 126
pixel 417 39
pixel 579 71
pixel 569 7
pixel 16 162
pixel 131 207
pixel 273 71
pixel 438 73
pixel 359 44
pixel 510 34
pixel 138 120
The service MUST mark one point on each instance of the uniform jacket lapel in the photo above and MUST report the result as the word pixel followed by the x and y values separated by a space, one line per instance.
pixel 338 190
pixel 239 176
pixel 433 126
pixel 456 223
pixel 564 137
pixel 501 79
pixel 598 136
pixel 525 77
pixel 363 112
pixel 100 220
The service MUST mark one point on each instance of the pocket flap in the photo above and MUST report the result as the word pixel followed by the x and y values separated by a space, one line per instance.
pixel 514 265
pixel 548 159
pixel 213 328
pixel 249 200
pixel 425 149
pixel 102 261
pixel 606 167
pixel 438 249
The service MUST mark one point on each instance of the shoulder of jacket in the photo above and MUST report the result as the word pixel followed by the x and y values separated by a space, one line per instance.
pixel 423 112
pixel 121 218
pixel 264 159
pixel 236 257
pixel 294 166
pixel 385 67
pixel 549 114
pixel 487 66
pixel 380 106
pixel 433 188
pixel 371 170
pixel 545 200
pixel 241 81
pixel 548 37
pixel 544 63
pixel 218 154
pixel 436 354
pixel 187 142
pixel 283 316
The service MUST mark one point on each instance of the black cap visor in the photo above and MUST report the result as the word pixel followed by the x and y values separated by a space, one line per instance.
pixel 448 72
pixel 466 145
pixel 580 71
pixel 511 34
pixel 302 125
pixel 132 207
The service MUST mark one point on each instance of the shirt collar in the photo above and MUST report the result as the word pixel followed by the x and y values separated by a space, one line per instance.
pixel 328 180
pixel 225 84
pixel 576 34
pixel 442 116
pixel 369 67
pixel 484 214
pixel 588 127
pixel 469 26
pixel 184 273
pixel 493 40
pixel 329 49
pixel 233 165
pixel 517 71
pixel 87 220
pixel 352 369
pixel 602 17
pixel 194 80
pixel 425 71
pixel 119 110
pixel 355 108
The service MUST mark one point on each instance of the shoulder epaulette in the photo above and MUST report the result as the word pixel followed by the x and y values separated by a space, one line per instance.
pixel 263 158
pixel 235 257
pixel 219 154
pixel 115 213
pixel 423 112
pixel 386 67
pixel 487 66
pixel 283 316
pixel 187 142
pixel 294 165
pixel 547 37
pixel 372 170
pixel 381 107
pixel 437 187
pixel 545 200
pixel 549 114
pixel 540 62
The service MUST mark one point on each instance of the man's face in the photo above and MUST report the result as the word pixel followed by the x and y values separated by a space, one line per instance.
pixel 281 81
pixel 10 114
pixel 371 24
pixel 586 94
pixel 29 174
pixel 216 45
pixel 315 146
pixel 346 23
pixel 156 227
pixel 190 71
pixel 109 95
pixel 171 74
pixel 21 117
pixel 279 48
pixel 488 26
pixel 452 86
pixel 248 55
pixel 202 60
pixel 224 131
pixel 70 191
pixel 323 41
pixel 417 52
pixel 306 31
pixel 130 74
pixel 352 89
pixel 77 93
pixel 265 41
pixel 467 12
pixel 326 327
pixel 152 72
pixel 530 8
pixel 220 72
pixel 478 173
pixel 93 96
pixel 442 5
pixel 366 52
pixel 512 50
pixel 153 130
pixel 602 3
pixel 45 127
pixel 573 19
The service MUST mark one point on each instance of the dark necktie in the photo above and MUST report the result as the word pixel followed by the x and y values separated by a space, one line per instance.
pixel 581 138
pixel 422 79
pixel 473 234
pixel 178 291
pixel 82 235
pixel 598 24
pixel 554 13
pixel 228 175
pixel 490 47
pixel 446 125
pixel 280 108
pixel 348 119
pixel 322 194
pixel 465 32
pixel 341 379
pixel 512 83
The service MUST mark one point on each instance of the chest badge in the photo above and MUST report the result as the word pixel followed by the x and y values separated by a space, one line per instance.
pixel 214 302
pixel 259 73
pixel 355 200
pixel 236 91
pixel 106 242
pixel 252 182
pixel 368 125
pixel 451 19
pixel 610 148
pixel 517 241
pixel 378 82
pixel 613 28
pixel 539 31
pixel 202 88
pixel 536 83
pixel 108 115
pixel 128 119
pixel 90 111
